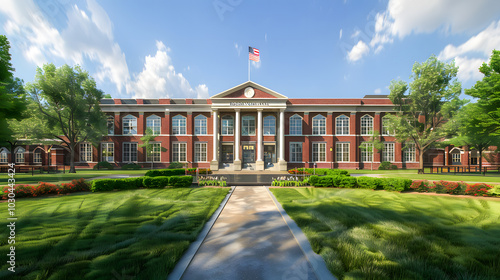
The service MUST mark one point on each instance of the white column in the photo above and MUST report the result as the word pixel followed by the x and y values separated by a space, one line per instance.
pixel 215 132
pixel 259 135
pixel 237 136
pixel 282 135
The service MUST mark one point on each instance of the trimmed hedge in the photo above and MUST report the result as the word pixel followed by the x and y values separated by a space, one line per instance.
pixel 340 181
pixel 396 184
pixel 103 165
pixel 319 171
pixel 373 183
pixel 100 185
pixel 156 182
pixel 165 172
pixel 131 166
pixel 180 181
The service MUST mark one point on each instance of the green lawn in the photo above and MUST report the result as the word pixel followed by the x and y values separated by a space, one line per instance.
pixel 140 234
pixel 27 178
pixel 491 177
pixel 364 234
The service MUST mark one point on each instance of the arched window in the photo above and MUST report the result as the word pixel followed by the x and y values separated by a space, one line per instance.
pixel 129 125
pixel 342 125
pixel 153 122
pixel 200 125
pixel 4 155
pixel 179 125
pixel 20 155
pixel 366 125
pixel 270 125
pixel 37 155
pixel 110 121
pixel 295 125
pixel 248 125
pixel 319 125
pixel 227 127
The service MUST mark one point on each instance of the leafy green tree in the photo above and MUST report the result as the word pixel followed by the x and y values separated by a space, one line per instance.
pixel 374 143
pixel 488 93
pixel 12 94
pixel 425 105
pixel 148 142
pixel 68 100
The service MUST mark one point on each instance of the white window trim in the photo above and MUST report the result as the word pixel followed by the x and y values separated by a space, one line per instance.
pixel 123 124
pixel 388 132
pixel 154 142
pixel 107 118
pixel 107 143
pixel 364 151
pixel 206 151
pixel 264 125
pixel 34 157
pixel 123 152
pixel 348 123
pixel 206 125
pixel 290 151
pixel 290 125
pixel 254 125
pixel 312 152
pixel 317 117
pixel 178 142
pixel 185 127
pixel 393 152
pixel 155 118
pixel 221 126
pixel 414 151
pixel 348 151
pixel 91 152
pixel 4 150
pixel 361 125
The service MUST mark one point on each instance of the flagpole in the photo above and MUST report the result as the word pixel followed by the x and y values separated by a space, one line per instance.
pixel 249 69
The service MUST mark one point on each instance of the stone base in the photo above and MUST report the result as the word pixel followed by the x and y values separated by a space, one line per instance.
pixel 259 165
pixel 214 165
pixel 237 165
pixel 282 165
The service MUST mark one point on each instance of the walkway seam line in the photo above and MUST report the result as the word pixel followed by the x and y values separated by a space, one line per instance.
pixel 316 261
pixel 188 256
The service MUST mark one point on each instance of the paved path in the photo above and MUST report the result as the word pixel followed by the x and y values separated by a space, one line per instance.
pixel 249 240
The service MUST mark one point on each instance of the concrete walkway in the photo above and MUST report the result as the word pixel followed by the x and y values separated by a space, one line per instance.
pixel 250 240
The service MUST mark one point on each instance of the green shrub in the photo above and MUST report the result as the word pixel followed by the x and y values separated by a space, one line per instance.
pixel 180 181
pixel 165 172
pixel 451 187
pixel 103 165
pixel 156 182
pixel 394 167
pixel 131 166
pixel 133 183
pixel 346 182
pixel 322 171
pixel 365 182
pixel 102 185
pixel 325 181
pixel 339 172
pixel 176 165
pixel 396 184
pixel 313 180
pixel 495 191
pixel 385 165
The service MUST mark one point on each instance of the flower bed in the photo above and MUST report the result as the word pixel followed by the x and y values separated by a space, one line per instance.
pixel 77 185
pixel 212 181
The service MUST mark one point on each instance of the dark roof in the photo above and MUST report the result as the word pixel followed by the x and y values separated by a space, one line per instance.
pixel 177 101
pixel 151 101
pixel 129 101
pixel 200 101
pixel 376 96
pixel 107 101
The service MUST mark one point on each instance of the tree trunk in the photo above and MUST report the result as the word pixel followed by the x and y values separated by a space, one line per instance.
pixel 480 161
pixel 72 160
pixel 420 160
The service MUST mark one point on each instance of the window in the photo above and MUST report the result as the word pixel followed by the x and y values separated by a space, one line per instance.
pixel 129 152
pixel 269 125
pixel 248 125
pixel 227 125
pixel 3 155
pixel 455 157
pixel 153 122
pixel 295 125
pixel 37 157
pixel 20 155
pixel 342 152
pixel 367 152
pixel 200 125
pixel 129 125
pixel 200 152
pixel 388 152
pixel 342 125
pixel 179 125
pixel 296 152
pixel 155 153
pixel 107 152
pixel 366 125
pixel 85 152
pixel 319 125
pixel 319 152
pixel 409 153
pixel 179 152
pixel 110 120
pixel 385 127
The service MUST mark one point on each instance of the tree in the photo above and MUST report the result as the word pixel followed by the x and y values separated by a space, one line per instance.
pixel 12 94
pixel 488 93
pixel 372 144
pixel 149 144
pixel 472 131
pixel 68 100
pixel 426 104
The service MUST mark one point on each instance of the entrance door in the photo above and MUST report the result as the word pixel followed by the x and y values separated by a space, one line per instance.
pixel 248 153
pixel 269 155
pixel 227 153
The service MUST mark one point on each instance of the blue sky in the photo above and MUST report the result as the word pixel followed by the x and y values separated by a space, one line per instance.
pixel 196 49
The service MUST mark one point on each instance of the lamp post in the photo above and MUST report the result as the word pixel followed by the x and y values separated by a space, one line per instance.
pixel 331 164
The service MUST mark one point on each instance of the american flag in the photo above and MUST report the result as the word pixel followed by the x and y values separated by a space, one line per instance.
pixel 253 54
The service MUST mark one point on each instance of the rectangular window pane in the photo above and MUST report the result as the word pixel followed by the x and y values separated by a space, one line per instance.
pixel 37 158
pixel 319 152
pixel 388 152
pixel 295 125
pixel 3 157
pixel 200 152
pixel 85 152
pixel 129 152
pixel 342 152
pixel 296 152
pixel 200 125
pixel 367 152
pixel 108 152
pixel 410 152
pixel 179 152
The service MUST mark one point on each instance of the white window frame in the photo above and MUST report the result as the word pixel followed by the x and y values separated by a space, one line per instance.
pixel 131 151
pixel 456 157
pixel 200 125
pixel 388 153
pixel 366 122
pixel 129 123
pixel 385 128
pixel 156 152
pixel 86 154
pixel 179 155
pixel 366 154
pixel 110 123
pixel 4 155
pixel 105 146
pixel 246 124
pixel 154 123
pixel 227 125
pixel 200 151
pixel 294 154
pixel 269 126
pixel 295 125
pixel 179 125
pixel 20 155
pixel 342 125
pixel 319 125
pixel 319 152
pixel 410 152
pixel 37 157
pixel 341 150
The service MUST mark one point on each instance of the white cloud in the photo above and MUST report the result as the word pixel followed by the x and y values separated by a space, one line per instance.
pixel 355 34
pixel 257 64
pixel 159 79
pixel 340 34
pixel 358 51
pixel 238 48
pixel 377 91
pixel 468 69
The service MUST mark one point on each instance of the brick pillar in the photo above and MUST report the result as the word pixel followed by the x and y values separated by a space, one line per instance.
pixel 398 153
pixel 140 124
pixel 118 124
pixel 377 123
